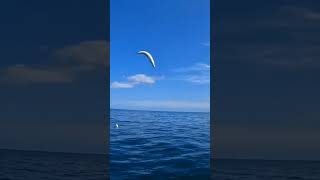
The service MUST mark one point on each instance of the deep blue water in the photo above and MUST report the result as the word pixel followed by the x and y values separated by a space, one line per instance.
pixel 37 165
pixel 159 145
pixel 151 145
pixel 266 170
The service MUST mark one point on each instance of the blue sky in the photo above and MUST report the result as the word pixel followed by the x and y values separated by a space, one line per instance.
pixel 177 34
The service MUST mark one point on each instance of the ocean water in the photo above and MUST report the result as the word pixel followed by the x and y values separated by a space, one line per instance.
pixel 266 170
pixel 37 165
pixel 151 145
pixel 159 145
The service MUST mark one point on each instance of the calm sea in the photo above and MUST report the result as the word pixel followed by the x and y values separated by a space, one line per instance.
pixel 150 145
pixel 37 165
pixel 266 170
pixel 159 145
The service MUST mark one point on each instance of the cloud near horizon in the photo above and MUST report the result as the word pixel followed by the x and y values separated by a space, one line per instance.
pixel 69 62
pixel 134 80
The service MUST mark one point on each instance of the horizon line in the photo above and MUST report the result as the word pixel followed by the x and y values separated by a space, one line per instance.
pixel 160 110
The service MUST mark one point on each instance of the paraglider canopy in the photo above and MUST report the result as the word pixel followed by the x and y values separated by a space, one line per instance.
pixel 149 56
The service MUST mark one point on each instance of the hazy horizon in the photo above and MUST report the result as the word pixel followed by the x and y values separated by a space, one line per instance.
pixel 160 110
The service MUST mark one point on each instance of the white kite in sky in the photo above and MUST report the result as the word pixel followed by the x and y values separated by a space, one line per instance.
pixel 149 56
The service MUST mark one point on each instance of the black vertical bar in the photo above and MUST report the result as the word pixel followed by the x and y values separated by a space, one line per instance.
pixel 108 89
pixel 212 90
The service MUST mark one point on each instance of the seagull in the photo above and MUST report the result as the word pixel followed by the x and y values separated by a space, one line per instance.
pixel 117 125
pixel 149 56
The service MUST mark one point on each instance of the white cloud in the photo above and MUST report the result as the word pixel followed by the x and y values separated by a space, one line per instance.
pixel 312 15
pixel 26 74
pixel 121 85
pixel 198 73
pixel 196 67
pixel 134 80
pixel 306 13
pixel 69 62
pixel 207 44
pixel 87 52
pixel 202 66
pixel 198 79
pixel 141 79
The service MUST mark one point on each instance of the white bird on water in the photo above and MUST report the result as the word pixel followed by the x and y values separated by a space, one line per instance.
pixel 149 56
pixel 117 125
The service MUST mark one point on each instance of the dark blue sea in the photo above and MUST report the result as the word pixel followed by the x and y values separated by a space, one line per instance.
pixel 151 145
pixel 159 145
pixel 38 165
pixel 266 170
